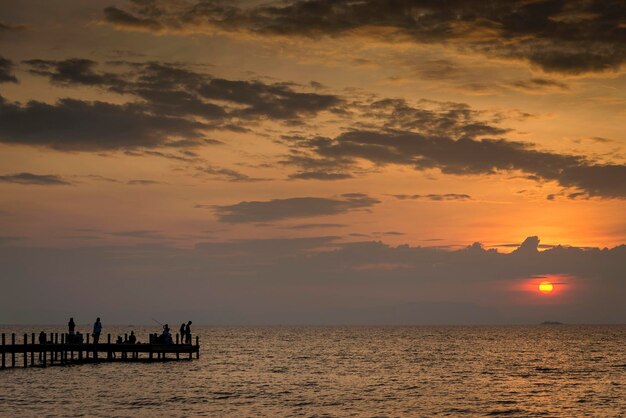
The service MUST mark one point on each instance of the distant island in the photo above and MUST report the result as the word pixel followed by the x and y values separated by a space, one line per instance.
pixel 551 323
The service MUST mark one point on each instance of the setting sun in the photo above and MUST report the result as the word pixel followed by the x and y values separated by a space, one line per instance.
pixel 546 287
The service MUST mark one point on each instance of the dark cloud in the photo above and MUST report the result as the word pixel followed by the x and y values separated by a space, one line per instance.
pixel 454 139
pixel 140 234
pixel 6 71
pixel 316 168
pixel 74 71
pixel 274 247
pixel 36 179
pixel 9 239
pixel 319 175
pixel 313 280
pixel 142 182
pixel 557 35
pixel 392 233
pixel 228 174
pixel 298 207
pixel 538 85
pixel 76 125
pixel 6 27
pixel 314 226
pixel 435 197
pixel 124 19
pixel 173 89
pixel 172 107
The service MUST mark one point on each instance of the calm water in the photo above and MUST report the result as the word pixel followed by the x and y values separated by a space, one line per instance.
pixel 355 371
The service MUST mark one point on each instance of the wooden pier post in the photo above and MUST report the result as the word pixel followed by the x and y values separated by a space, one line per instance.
pixel 3 353
pixel 32 352
pixel 109 353
pixel 25 352
pixel 197 346
pixel 63 348
pixel 56 342
pixel 95 348
pixel 86 348
pixel 13 352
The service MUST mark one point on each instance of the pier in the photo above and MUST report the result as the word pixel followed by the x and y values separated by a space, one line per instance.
pixel 58 350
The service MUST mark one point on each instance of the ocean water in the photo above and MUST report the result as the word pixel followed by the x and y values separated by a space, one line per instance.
pixel 555 371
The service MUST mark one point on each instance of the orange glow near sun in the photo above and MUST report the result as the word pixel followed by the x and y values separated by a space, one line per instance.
pixel 546 287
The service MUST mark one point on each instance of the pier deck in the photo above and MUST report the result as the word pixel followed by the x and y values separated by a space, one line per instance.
pixel 31 354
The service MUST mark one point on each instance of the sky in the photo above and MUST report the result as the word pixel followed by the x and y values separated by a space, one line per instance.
pixel 313 161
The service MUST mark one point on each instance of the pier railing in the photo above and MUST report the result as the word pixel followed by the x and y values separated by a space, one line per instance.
pixel 64 350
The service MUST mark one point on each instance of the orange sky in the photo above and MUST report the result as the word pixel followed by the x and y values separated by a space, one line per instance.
pixel 174 125
pixel 567 114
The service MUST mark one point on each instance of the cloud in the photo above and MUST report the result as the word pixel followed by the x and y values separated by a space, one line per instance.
pixel 298 207
pixel 319 175
pixel 142 182
pixel 9 239
pixel 35 179
pixel 570 37
pixel 435 197
pixel 175 90
pixel 140 234
pixel 256 249
pixel 171 106
pixel 314 280
pixel 450 137
pixel 6 71
pixel 77 125
pixel 228 174
pixel 6 27
pixel 315 168
pixel 538 85
pixel 314 226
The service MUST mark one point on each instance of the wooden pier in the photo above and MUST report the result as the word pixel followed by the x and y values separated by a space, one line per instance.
pixel 58 351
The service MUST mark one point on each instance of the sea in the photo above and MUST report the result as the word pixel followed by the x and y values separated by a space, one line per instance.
pixel 525 371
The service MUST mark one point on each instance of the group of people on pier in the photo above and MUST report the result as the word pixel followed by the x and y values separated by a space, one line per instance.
pixel 166 335
pixel 74 337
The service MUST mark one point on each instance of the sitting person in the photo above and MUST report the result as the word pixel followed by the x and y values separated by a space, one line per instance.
pixel 166 337
pixel 119 339
pixel 132 339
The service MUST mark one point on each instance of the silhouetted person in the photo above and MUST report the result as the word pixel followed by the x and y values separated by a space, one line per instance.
pixel 71 326
pixel 188 333
pixel 119 340
pixel 166 337
pixel 42 340
pixel 182 333
pixel 97 329
pixel 132 339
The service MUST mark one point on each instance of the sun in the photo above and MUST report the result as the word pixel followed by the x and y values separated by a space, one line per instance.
pixel 546 287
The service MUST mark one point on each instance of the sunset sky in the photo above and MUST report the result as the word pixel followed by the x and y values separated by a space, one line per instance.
pixel 313 161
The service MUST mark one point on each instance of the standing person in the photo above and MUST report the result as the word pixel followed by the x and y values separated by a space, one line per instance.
pixel 188 333
pixel 97 329
pixel 182 333
pixel 71 326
